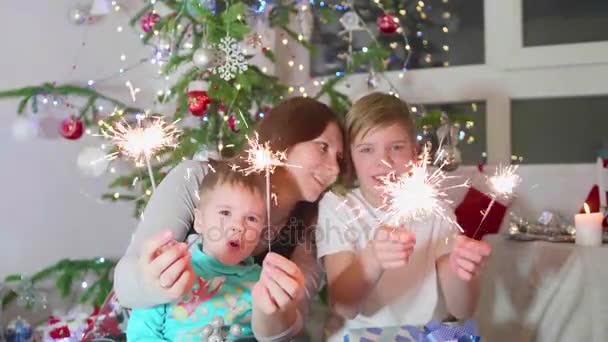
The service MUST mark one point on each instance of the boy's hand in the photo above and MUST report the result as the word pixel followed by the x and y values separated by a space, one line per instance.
pixel 467 257
pixel 390 248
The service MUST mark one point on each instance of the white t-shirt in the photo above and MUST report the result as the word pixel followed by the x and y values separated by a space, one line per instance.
pixel 407 295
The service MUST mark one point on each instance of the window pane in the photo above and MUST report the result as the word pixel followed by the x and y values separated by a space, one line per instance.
pixel 452 33
pixel 559 130
pixel 471 137
pixel 551 22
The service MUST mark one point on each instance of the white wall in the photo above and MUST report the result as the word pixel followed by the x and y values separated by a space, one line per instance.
pixel 48 209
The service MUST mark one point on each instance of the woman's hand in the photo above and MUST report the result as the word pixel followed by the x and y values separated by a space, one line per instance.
pixel 165 264
pixel 467 257
pixel 280 287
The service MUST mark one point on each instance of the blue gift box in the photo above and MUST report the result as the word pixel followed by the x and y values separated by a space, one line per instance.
pixel 434 331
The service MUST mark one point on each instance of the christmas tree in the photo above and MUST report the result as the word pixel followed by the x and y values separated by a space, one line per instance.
pixel 208 46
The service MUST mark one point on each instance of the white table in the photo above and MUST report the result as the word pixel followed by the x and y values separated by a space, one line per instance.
pixel 541 291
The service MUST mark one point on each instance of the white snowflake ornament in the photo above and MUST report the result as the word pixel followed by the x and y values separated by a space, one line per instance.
pixel 231 59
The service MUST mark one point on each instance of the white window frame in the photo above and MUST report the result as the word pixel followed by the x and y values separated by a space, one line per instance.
pixel 510 72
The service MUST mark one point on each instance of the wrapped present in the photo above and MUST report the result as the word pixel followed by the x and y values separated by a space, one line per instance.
pixel 109 323
pixel 69 327
pixel 434 331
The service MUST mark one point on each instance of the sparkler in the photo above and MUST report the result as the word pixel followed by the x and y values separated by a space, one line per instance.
pixel 150 135
pixel 502 184
pixel 417 194
pixel 261 158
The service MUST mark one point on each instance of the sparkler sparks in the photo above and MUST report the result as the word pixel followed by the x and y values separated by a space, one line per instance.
pixel 132 90
pixel 416 194
pixel 502 185
pixel 150 135
pixel 261 158
pixel 504 181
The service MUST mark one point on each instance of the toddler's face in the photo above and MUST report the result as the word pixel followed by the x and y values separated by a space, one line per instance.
pixel 231 222
pixel 376 154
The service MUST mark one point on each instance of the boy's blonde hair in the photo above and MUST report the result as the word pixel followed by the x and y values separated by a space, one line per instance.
pixel 371 111
pixel 221 172
pixel 377 110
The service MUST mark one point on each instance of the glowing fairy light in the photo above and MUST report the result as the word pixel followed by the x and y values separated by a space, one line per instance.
pixel 502 185
pixel 150 135
pixel 416 194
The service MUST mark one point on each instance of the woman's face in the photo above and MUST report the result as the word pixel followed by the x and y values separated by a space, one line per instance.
pixel 316 163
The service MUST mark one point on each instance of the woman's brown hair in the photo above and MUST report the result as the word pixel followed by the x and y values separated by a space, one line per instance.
pixel 291 122
pixel 295 120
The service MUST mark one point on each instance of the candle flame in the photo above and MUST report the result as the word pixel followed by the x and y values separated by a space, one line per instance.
pixel 587 210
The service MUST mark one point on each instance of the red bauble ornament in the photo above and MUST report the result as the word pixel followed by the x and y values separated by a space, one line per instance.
pixel 387 24
pixel 60 332
pixel 198 102
pixel 148 21
pixel 232 123
pixel 71 128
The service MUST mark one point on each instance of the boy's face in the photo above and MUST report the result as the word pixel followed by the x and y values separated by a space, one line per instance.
pixel 376 154
pixel 231 222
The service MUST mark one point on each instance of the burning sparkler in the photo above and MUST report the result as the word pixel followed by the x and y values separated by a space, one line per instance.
pixel 261 158
pixel 502 185
pixel 417 194
pixel 150 135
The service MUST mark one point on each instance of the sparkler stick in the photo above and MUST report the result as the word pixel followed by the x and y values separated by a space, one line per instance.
pixel 502 184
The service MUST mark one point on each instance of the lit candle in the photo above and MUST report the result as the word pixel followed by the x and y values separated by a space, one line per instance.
pixel 589 228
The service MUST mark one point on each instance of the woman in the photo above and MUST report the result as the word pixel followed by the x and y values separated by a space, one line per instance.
pixel 156 270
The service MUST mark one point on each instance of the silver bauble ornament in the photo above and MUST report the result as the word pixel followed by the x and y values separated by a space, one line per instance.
pixel 203 57
pixel 235 330
pixel 448 157
pixel 207 331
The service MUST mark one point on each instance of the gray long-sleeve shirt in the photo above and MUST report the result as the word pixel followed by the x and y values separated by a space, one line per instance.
pixel 172 207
